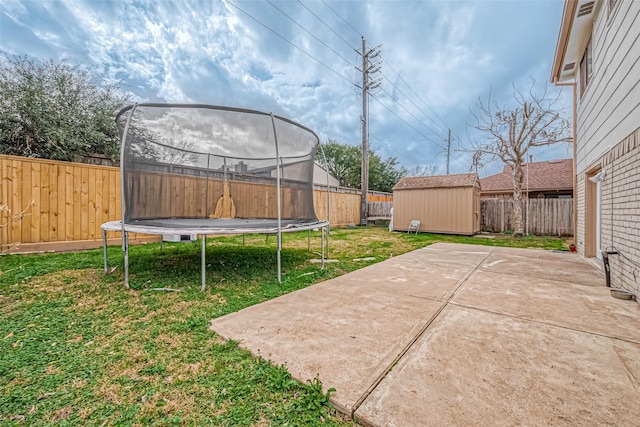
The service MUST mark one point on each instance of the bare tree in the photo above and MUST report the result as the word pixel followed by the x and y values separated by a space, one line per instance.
pixel 534 120
pixel 423 170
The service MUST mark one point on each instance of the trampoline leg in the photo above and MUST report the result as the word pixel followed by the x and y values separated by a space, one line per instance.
pixel 322 238
pixel 279 247
pixel 126 260
pixel 243 240
pixel 203 253
pixel 308 240
pixel 104 251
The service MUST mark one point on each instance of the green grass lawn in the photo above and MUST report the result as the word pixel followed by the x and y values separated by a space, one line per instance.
pixel 76 348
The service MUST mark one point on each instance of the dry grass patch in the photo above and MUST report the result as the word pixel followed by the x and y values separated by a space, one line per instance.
pixel 79 383
pixel 176 402
pixel 71 282
pixel 188 371
pixel 60 414
pixel 110 392
pixel 83 413
pixel 52 370
pixel 172 341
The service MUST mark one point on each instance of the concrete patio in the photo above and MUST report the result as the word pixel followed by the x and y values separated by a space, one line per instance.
pixel 459 335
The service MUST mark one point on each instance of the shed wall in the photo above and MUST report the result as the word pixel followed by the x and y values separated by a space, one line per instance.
pixel 440 210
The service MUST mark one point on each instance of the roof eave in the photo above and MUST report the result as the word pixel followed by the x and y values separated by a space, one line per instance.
pixel 531 190
pixel 568 15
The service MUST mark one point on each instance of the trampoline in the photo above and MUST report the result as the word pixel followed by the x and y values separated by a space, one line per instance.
pixel 211 170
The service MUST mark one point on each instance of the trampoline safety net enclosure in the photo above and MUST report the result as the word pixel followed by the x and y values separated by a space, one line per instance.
pixel 202 169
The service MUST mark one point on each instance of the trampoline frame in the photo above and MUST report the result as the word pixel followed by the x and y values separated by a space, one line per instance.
pixel 203 233
pixel 204 230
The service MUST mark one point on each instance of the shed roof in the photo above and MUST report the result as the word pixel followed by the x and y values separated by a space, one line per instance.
pixel 548 175
pixel 437 181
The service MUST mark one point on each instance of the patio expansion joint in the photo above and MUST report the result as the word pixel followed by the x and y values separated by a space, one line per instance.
pixel 542 322
pixel 417 336
pixel 511 273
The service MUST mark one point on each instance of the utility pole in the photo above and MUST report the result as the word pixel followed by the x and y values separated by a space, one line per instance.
pixel 448 151
pixel 368 68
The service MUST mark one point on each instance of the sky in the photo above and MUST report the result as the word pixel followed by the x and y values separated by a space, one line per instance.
pixel 300 60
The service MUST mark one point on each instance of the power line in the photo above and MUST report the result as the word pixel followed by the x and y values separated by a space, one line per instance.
pixel 418 96
pixel 415 105
pixel 411 114
pixel 339 55
pixel 290 42
pixel 406 123
pixel 344 20
pixel 309 32
pixel 395 151
pixel 445 128
pixel 327 25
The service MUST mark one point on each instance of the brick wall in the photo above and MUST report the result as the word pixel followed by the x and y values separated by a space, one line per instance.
pixel 621 211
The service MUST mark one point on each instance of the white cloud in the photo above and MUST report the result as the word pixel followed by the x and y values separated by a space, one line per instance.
pixel 450 53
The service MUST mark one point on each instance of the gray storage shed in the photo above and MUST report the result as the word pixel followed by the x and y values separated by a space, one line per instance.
pixel 443 203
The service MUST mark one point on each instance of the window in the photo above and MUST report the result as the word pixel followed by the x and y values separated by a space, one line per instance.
pixel 586 67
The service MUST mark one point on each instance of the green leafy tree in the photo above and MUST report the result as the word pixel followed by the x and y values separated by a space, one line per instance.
pixel 55 111
pixel 383 174
pixel 344 162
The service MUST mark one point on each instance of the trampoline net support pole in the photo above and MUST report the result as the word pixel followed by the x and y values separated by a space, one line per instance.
pixel 279 247
pixel 203 253
pixel 328 200
pixel 276 153
pixel 104 251
pixel 125 240
pixel 278 195
pixel 328 239
pixel 322 238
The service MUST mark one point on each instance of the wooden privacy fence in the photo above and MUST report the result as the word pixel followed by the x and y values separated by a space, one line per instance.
pixel 379 210
pixel 379 196
pixel 45 201
pixel 547 217
pixel 45 204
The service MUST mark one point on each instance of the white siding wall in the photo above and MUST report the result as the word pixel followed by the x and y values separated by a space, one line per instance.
pixel 608 137
pixel 320 177
pixel 609 110
pixel 581 217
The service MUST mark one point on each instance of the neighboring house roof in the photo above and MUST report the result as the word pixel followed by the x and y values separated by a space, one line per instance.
pixel 437 181
pixel 320 176
pixel 319 172
pixel 543 176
